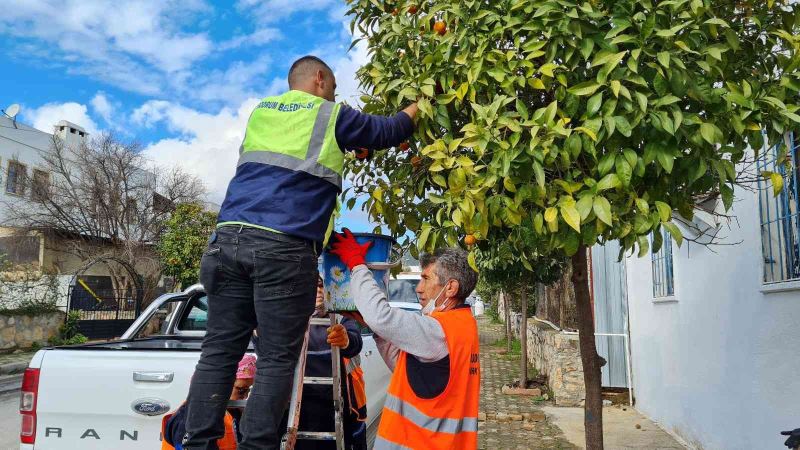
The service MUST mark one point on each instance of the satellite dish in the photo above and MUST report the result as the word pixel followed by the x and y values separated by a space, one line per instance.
pixel 12 110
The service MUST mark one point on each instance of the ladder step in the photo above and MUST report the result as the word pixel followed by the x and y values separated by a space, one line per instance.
pixel 318 380
pixel 237 403
pixel 316 435
pixel 320 321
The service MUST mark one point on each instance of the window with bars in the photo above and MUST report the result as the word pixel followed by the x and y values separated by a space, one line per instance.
pixel 663 282
pixel 40 188
pixel 15 179
pixel 780 240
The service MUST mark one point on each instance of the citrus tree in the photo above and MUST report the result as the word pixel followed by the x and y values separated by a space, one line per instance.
pixel 184 239
pixel 590 120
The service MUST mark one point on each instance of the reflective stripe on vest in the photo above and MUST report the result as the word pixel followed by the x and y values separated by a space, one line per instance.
pixel 468 424
pixel 449 420
pixel 322 145
pixel 352 363
pixel 383 444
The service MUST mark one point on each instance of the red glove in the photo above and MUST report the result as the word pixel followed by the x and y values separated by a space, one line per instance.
pixel 349 250
pixel 363 153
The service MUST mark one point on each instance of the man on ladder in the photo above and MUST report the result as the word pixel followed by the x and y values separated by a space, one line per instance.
pixel 260 268
pixel 318 407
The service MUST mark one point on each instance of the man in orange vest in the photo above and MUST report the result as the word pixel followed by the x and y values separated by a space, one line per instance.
pixel 433 396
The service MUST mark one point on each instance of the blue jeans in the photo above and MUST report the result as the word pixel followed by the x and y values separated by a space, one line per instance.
pixel 258 280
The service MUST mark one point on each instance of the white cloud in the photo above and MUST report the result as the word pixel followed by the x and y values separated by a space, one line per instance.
pixel 128 44
pixel 345 70
pixel 255 39
pixel 46 116
pixel 275 10
pixel 207 145
pixel 230 86
pixel 102 106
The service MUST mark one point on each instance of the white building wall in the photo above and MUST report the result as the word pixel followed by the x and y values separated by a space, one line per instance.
pixel 23 144
pixel 720 365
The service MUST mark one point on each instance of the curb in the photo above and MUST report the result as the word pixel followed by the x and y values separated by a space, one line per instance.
pixel 13 368
pixel 10 384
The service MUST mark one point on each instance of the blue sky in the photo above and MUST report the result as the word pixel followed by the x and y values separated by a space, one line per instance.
pixel 180 77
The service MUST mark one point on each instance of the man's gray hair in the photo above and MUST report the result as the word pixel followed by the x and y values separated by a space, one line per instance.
pixel 451 264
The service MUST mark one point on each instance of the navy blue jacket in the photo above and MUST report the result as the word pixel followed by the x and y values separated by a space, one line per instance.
pixel 318 363
pixel 297 203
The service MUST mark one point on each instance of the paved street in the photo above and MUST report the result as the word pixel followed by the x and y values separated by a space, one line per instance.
pixel 9 421
pixel 512 422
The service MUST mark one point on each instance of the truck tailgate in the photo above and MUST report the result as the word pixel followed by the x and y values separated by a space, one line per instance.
pixel 87 398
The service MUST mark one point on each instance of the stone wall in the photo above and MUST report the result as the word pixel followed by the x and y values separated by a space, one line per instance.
pixel 22 332
pixel 26 288
pixel 556 354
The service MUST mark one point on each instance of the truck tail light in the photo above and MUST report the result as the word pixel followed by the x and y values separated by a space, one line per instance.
pixel 27 406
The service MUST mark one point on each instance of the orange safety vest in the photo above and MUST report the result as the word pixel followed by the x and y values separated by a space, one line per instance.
pixel 228 442
pixel 356 388
pixel 449 420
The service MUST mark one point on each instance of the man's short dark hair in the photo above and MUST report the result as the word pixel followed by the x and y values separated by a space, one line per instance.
pixel 451 264
pixel 306 66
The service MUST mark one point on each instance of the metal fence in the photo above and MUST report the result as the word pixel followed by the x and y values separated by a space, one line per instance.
pixel 103 313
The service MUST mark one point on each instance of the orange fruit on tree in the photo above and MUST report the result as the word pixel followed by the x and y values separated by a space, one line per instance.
pixel 416 161
pixel 440 28
pixel 470 239
pixel 412 9
pixel 395 11
pixel 404 146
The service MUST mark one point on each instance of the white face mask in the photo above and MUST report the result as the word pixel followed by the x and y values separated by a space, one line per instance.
pixel 431 305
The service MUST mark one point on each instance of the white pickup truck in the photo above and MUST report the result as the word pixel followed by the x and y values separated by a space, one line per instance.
pixel 113 395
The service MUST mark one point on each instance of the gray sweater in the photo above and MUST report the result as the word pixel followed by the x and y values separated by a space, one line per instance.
pixel 396 329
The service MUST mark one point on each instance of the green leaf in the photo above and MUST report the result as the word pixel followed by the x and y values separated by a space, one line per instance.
pixel 717 21
pixel 471 261
pixel 623 126
pixel 664 211
pixel 642 99
pixel 584 206
pixel 711 133
pixel 594 104
pixel 571 216
pixel 609 181
pixel 602 208
pixel 587 45
pixel 666 159
pixel 536 83
pixel 538 172
pixel 422 239
pixel 550 214
pixel 624 170
pixel 727 196
pixel 663 58
pixel 585 88
pixel 644 246
pixel 777 181
pixel 615 86
pixel 675 232
pixel 509 185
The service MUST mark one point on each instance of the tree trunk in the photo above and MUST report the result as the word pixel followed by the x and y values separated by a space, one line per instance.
pixel 507 318
pixel 523 339
pixel 593 409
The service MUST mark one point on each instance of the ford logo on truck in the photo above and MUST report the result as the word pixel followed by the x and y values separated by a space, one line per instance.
pixel 150 406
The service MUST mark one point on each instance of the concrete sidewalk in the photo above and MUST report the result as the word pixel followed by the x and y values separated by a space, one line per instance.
pixel 620 430
pixel 12 365
pixel 514 422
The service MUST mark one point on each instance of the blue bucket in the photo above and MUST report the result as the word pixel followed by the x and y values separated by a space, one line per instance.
pixel 336 275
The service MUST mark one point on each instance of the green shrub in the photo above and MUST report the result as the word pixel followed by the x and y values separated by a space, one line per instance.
pixel 68 331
